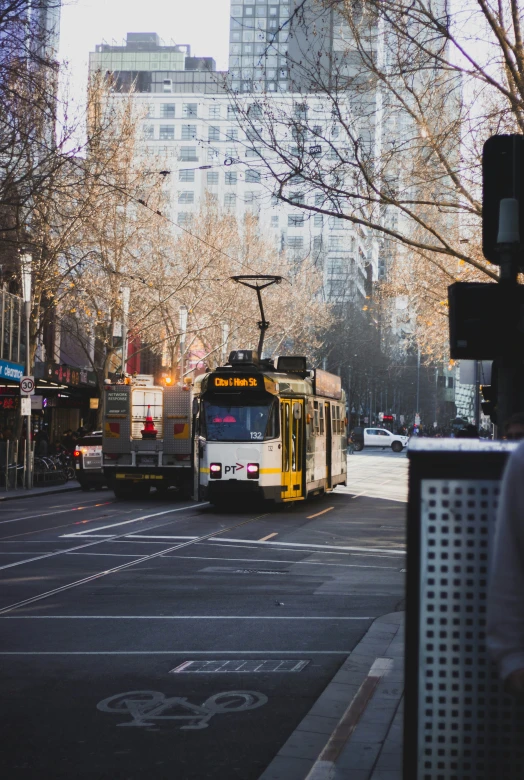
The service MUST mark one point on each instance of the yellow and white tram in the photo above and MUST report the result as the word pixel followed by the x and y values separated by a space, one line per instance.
pixel 276 431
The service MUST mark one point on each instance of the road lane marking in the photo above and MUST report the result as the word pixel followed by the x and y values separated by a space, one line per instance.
pixel 392 551
pixel 270 560
pixel 144 707
pixel 181 617
pixel 138 519
pixel 90 544
pixel 265 538
pixel 172 652
pixel 320 513
pixel 122 566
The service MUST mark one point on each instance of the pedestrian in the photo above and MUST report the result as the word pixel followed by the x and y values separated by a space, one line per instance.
pixel 505 618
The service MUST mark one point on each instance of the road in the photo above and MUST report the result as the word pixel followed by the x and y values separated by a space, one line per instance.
pixel 162 638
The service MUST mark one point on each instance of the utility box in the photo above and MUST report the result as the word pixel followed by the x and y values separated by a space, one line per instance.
pixel 458 723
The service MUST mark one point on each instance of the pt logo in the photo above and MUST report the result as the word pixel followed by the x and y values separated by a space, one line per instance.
pixel 233 469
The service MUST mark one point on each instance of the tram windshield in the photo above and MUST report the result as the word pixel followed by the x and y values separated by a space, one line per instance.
pixel 250 422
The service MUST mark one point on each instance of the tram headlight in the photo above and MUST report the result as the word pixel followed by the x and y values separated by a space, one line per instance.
pixel 252 470
pixel 215 470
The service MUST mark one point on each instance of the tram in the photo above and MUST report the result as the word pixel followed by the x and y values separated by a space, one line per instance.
pixel 273 429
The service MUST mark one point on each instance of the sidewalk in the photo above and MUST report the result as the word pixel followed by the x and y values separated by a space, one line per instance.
pixel 354 730
pixel 11 495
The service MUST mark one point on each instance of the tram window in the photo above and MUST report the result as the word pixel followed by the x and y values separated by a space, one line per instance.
pixel 316 421
pixel 321 410
pixel 249 422
pixel 339 421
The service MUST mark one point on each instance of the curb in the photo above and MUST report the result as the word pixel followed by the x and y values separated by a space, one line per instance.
pixel 21 494
pixel 326 729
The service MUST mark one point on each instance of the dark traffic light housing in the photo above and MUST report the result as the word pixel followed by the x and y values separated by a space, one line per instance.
pixel 502 177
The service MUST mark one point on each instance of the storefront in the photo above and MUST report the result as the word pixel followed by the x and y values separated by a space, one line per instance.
pixel 10 376
pixel 68 394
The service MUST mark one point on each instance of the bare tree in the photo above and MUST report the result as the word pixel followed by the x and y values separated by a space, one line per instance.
pixel 385 128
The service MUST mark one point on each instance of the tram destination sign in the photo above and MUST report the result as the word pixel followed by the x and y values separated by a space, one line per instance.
pixel 327 385
pixel 229 382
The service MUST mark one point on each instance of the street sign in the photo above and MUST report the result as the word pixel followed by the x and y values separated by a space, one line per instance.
pixel 25 406
pixel 27 385
pixel 417 419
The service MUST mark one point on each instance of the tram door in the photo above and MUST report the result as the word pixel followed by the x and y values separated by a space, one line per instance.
pixel 329 446
pixel 292 420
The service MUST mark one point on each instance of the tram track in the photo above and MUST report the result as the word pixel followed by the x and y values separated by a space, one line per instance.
pixel 115 569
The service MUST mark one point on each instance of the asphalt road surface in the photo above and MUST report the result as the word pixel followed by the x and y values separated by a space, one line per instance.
pixel 162 638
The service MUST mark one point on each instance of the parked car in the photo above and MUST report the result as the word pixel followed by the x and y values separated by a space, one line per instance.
pixel 87 458
pixel 378 437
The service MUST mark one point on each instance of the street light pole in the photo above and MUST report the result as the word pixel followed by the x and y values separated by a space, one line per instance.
pixel 183 328
pixel 25 264
pixel 126 292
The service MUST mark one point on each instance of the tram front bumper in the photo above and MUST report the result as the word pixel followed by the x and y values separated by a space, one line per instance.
pixel 221 490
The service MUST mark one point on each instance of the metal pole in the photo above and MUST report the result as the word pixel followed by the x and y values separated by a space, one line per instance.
pixel 417 411
pixel 27 306
pixel 183 328
pixel 126 292
pixel 25 268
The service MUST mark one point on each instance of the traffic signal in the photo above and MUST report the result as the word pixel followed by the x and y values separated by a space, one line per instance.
pixel 502 177
pixel 490 395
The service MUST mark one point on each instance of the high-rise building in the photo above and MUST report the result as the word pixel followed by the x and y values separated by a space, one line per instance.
pixel 143 62
pixel 193 124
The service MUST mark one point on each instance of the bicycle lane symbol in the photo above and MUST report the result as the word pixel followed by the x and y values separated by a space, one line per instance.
pixel 147 707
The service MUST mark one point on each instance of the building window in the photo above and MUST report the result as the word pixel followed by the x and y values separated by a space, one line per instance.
pixel 184 217
pixel 186 176
pixel 213 133
pixel 230 200
pixel 188 132
pixel 212 155
pixel 274 200
pixel 150 108
pixel 167 133
pixel 254 151
pixel 450 381
pixel 232 134
pixel 232 111
pixel 318 220
pixel 167 110
pixel 231 178
pixel 319 199
pixel 190 109
pixel 336 242
pixel 295 242
pixel 148 132
pixel 214 112
pixel 212 177
pixel 253 177
pixel 295 220
pixel 186 197
pixel 296 197
pixel 188 154
pixel 274 221
pixel 317 243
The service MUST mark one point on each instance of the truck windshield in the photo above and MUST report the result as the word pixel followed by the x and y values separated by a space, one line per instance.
pixel 249 422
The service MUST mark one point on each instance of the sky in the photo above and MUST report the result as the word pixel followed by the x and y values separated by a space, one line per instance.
pixel 204 24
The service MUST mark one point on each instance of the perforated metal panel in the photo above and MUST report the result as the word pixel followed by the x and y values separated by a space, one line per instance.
pixel 467 728
pixel 177 421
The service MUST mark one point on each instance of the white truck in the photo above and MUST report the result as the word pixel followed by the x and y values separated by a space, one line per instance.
pixel 147 438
